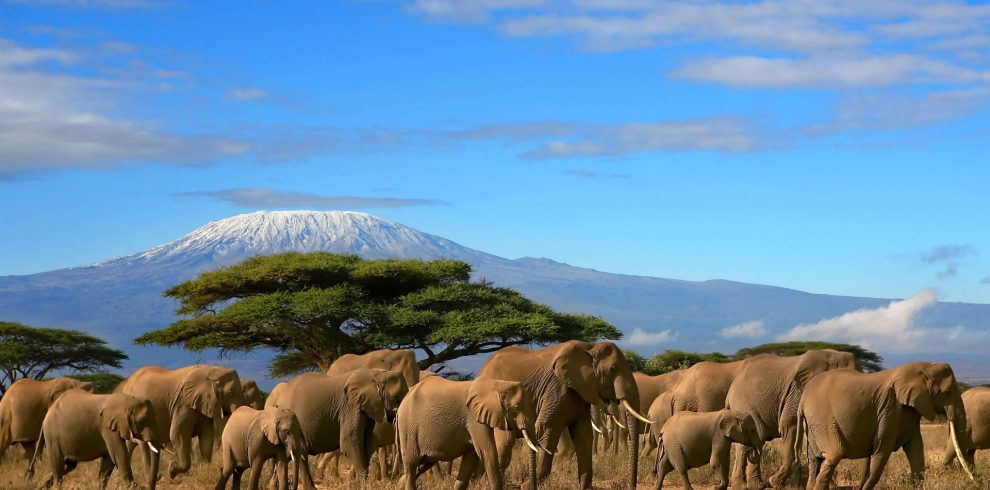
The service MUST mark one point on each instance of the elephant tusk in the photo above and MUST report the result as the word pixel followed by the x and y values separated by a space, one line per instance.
pixel 625 403
pixel 292 457
pixel 616 420
pixel 168 451
pixel 959 453
pixel 529 442
pixel 152 447
pixel 593 426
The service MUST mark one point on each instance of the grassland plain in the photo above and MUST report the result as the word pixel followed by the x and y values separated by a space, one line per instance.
pixel 610 472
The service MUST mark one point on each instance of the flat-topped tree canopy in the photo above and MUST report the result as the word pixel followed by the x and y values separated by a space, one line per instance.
pixel 314 307
pixel 37 353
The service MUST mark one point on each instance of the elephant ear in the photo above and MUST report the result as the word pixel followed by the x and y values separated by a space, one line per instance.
pixel 486 401
pixel 911 387
pixel 269 426
pixel 728 424
pixel 117 419
pixel 575 368
pixel 200 392
pixel 364 392
pixel 59 387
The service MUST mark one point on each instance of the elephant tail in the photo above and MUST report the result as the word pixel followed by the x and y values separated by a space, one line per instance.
pixel 6 426
pixel 398 443
pixel 38 448
pixel 660 453
pixel 802 433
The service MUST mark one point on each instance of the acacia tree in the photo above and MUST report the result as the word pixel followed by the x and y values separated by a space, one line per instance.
pixel 29 352
pixel 313 307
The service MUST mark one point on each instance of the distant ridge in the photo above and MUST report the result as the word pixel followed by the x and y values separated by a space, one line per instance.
pixel 121 297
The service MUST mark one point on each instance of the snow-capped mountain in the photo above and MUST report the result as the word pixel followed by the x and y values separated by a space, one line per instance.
pixel 121 298
pixel 232 239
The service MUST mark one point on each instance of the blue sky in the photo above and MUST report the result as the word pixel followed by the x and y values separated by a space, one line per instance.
pixel 834 147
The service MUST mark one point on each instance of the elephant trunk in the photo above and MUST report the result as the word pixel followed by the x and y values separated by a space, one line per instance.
pixel 633 449
pixel 283 473
pixel 956 414
pixel 156 458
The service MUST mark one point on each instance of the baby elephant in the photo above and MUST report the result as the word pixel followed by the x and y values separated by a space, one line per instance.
pixel 252 437
pixel 689 440
pixel 81 426
pixel 442 420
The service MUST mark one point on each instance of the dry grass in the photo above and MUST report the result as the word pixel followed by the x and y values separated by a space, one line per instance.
pixel 609 472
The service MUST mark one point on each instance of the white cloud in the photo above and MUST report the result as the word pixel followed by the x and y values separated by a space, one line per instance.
pixel 643 338
pixel 889 328
pixel 53 119
pixel 247 93
pixel 752 329
pixel 828 72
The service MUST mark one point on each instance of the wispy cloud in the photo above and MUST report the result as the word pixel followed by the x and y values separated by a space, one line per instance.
pixel 641 338
pixel 272 198
pixel 827 72
pixel 985 280
pixel 594 174
pixel 52 119
pixel 947 256
pixel 249 93
pixel 751 330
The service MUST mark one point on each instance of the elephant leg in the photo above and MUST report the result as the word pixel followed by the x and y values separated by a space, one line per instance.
pixel 383 463
pixel 877 463
pixel 484 449
pixel 663 467
pixel 825 472
pixel 505 441
pixel 581 434
pixel 206 440
pixel 787 458
pixel 181 436
pixel 225 472
pixel 106 467
pixel 469 462
pixel 120 457
pixel 307 478
pixel 754 473
pixel 915 452
pixel 683 472
pixel 255 475
pixel 544 462
pixel 738 473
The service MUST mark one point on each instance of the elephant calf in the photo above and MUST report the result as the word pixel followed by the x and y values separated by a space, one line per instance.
pixel 442 420
pixel 81 426
pixel 690 440
pixel 252 437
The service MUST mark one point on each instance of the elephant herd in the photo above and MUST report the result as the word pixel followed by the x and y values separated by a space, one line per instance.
pixel 570 395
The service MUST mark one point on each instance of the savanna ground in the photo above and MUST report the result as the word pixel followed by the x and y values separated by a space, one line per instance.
pixel 610 472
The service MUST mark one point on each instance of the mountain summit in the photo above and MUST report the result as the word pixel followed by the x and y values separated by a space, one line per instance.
pixel 230 240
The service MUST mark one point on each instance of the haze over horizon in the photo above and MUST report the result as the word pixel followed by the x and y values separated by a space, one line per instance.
pixel 831 147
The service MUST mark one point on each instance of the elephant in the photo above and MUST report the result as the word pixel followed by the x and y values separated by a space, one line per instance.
pixel 442 420
pixel 340 412
pixel 977 404
pixel 23 408
pixel 704 386
pixel 769 387
pixel 252 437
pixel 848 414
pixel 187 401
pixel 401 361
pixel 81 426
pixel 661 411
pixel 253 396
pixel 563 381
pixel 690 440
pixel 650 387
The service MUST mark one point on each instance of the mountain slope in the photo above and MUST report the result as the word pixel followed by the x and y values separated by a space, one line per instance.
pixel 121 298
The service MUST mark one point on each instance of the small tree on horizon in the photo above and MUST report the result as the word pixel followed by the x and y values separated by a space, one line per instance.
pixel 313 307
pixel 866 360
pixel 37 353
